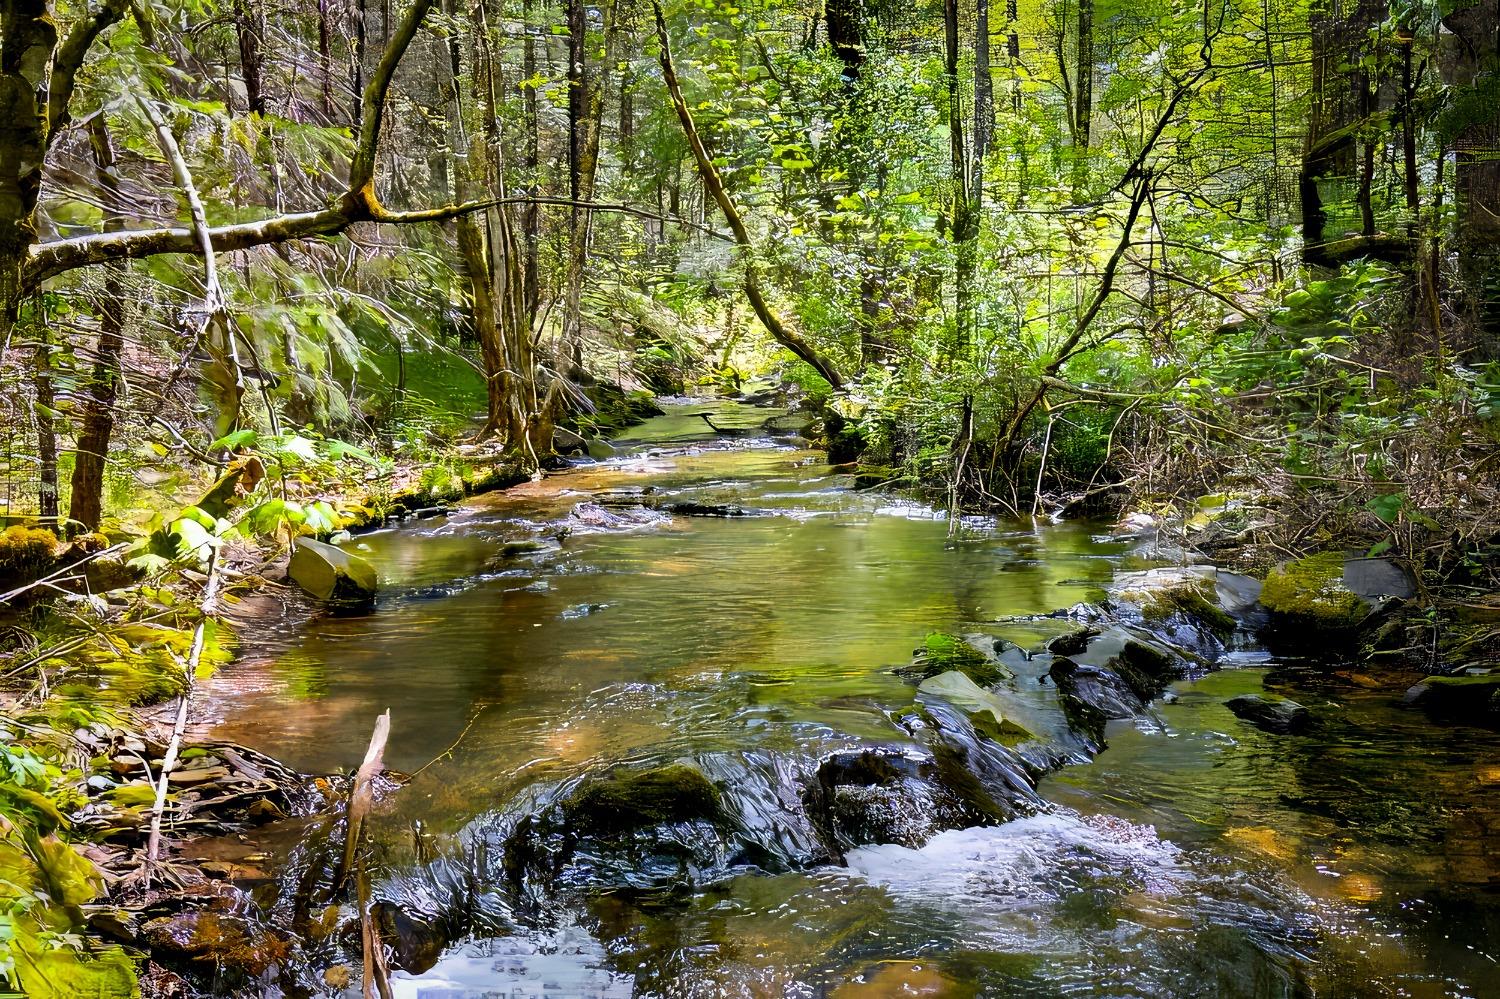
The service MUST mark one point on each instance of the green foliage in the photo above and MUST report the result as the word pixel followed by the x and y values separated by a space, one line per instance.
pixel 43 878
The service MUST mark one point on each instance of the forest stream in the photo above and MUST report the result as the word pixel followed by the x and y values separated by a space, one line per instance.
pixel 730 617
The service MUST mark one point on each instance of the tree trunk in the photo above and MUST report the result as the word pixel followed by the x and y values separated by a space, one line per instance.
pixel 531 214
pixel 29 38
pixel 586 90
pixel 964 218
pixel 1083 91
pixel 325 60
pixel 46 429
pixel 248 22
pixel 91 450
pixel 1367 145
pixel 846 36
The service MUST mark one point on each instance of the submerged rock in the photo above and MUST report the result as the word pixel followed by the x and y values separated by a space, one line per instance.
pixel 625 800
pixel 791 424
pixel 222 940
pixel 632 827
pixel 1073 643
pixel 1147 668
pixel 1103 692
pixel 1470 696
pixel 565 441
pixel 896 795
pixel 416 943
pixel 1276 715
pixel 689 508
pixel 332 574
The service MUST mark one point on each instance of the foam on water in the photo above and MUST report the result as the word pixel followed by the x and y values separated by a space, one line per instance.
pixel 1030 859
pixel 568 962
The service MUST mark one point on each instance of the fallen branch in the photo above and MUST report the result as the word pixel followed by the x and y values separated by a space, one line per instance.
pixel 362 796
pixel 174 747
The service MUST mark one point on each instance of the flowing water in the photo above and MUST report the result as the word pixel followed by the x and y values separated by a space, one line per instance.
pixel 545 635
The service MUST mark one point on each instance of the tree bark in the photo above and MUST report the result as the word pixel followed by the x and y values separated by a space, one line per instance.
pixel 586 92
pixel 248 28
pixel 46 428
pixel 846 34
pixel 91 450
pixel 1083 91
pixel 964 218
pixel 531 215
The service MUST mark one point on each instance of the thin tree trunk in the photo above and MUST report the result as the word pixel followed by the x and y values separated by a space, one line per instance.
pixel 248 21
pixel 46 429
pixel 963 216
pixel 1367 157
pixel 325 60
pixel 1083 102
pixel 357 112
pixel 715 185
pixel 531 215
pixel 91 450
pixel 586 116
pixel 579 101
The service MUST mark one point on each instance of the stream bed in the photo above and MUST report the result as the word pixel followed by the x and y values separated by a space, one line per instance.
pixel 733 607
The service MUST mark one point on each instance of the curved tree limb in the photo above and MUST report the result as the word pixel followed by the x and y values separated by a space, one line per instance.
pixel 69 59
pixel 56 257
pixel 769 319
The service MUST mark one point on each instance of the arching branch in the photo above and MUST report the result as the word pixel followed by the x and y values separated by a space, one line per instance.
pixel 715 184
pixel 50 259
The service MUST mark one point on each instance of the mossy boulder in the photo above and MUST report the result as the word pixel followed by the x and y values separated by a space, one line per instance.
pixel 625 800
pixel 1146 668
pixel 1468 697
pixel 332 574
pixel 941 653
pixel 1310 594
pixel 26 553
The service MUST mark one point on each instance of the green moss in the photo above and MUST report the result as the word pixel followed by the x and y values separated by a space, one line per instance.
pixel 1312 590
pixel 942 652
pixel 1205 610
pixel 26 552
pixel 638 799
pixel 1196 599
pixel 1479 681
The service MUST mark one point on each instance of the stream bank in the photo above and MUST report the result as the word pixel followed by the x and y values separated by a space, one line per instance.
pixel 680 682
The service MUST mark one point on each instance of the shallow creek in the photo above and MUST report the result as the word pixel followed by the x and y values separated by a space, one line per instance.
pixel 552 632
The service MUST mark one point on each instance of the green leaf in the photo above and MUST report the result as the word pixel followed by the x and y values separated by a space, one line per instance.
pixel 1387 507
pixel 70 878
pixel 235 440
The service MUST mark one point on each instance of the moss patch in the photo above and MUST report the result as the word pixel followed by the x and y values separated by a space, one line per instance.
pixel 941 653
pixel 1311 590
pixel 638 799
pixel 1193 595
pixel 26 553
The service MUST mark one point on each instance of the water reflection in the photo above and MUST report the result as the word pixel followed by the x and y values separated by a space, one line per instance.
pixel 1197 856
